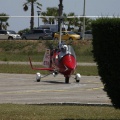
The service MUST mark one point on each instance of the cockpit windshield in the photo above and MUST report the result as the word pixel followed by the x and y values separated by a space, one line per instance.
pixel 66 49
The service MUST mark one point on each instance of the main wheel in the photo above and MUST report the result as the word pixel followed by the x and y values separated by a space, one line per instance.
pixel 38 77
pixel 78 77
pixel 66 79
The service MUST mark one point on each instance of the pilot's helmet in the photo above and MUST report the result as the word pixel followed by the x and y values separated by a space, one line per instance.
pixel 64 48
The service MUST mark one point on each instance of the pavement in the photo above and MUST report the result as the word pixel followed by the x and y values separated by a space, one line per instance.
pixel 40 63
pixel 23 89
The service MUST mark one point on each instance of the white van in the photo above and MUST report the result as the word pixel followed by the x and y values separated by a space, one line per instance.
pixel 51 27
pixel 9 35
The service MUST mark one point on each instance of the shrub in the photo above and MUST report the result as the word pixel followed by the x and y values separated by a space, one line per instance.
pixel 106 50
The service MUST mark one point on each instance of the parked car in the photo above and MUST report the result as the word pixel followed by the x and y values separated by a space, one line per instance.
pixel 67 35
pixel 87 34
pixel 9 35
pixel 38 34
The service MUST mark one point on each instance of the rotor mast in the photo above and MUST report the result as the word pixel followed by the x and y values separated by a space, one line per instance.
pixel 60 19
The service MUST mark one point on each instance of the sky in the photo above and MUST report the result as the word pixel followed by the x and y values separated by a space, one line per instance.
pixel 93 8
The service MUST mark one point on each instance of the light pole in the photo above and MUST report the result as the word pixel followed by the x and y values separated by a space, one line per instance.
pixel 84 19
pixel 38 12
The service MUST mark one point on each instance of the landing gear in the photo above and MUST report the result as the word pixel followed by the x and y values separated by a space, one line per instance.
pixel 66 79
pixel 38 77
pixel 55 73
pixel 77 77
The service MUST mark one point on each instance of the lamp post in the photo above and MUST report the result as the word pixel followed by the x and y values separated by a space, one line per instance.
pixel 84 19
pixel 38 12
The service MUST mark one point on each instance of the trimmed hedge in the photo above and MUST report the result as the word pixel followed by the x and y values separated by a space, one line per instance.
pixel 106 51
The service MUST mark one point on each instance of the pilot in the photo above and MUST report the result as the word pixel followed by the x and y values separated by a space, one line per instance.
pixel 64 49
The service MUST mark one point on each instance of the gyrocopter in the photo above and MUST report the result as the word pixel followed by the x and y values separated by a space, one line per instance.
pixel 59 60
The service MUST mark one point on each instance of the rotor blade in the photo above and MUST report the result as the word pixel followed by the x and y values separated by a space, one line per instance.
pixel 77 16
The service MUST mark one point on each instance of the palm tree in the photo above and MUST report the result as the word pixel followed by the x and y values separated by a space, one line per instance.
pixel 3 21
pixel 51 11
pixel 70 21
pixel 25 8
pixel 88 22
pixel 76 21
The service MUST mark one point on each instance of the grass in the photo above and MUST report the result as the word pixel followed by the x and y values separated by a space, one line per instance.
pixel 57 112
pixel 20 50
pixel 25 69
pixel 20 57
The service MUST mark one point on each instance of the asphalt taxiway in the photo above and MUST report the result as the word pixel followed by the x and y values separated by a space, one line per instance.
pixel 23 89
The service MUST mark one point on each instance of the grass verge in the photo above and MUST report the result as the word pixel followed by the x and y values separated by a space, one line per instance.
pixel 57 112
pixel 20 50
pixel 25 69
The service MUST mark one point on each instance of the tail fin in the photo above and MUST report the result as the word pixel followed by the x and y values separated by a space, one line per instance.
pixel 49 69
pixel 46 59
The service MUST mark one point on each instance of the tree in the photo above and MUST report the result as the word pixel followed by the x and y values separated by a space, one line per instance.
pixel 3 21
pixel 25 8
pixel 88 23
pixel 69 21
pixel 51 11
pixel 76 21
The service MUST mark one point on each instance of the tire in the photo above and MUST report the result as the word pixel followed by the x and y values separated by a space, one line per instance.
pixel 77 81
pixel 66 80
pixel 24 38
pixel 70 38
pixel 55 38
pixel 10 38
pixel 40 38
pixel 38 80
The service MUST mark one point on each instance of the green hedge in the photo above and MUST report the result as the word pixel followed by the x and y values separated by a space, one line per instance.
pixel 106 50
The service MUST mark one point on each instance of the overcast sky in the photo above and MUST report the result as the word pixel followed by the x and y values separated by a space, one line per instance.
pixel 93 8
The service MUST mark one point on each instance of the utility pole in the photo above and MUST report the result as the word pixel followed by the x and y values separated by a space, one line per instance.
pixel 84 20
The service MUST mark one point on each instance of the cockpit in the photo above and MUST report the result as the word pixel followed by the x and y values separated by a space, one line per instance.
pixel 65 50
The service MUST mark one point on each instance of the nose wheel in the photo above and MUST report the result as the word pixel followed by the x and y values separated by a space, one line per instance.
pixel 67 80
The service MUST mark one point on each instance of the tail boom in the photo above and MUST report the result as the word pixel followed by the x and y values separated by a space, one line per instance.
pixel 48 69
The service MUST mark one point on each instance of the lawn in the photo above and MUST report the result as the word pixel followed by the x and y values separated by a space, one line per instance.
pixel 26 69
pixel 20 50
pixel 57 112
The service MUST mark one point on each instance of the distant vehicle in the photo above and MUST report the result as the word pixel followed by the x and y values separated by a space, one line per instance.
pixel 38 34
pixel 51 27
pixel 87 34
pixel 67 35
pixel 9 35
